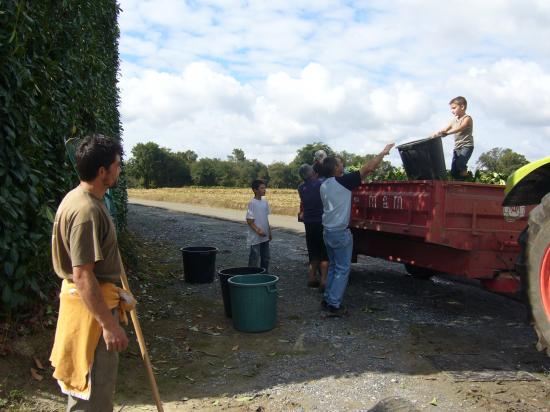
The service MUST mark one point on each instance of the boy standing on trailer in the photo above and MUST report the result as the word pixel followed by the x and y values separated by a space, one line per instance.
pixel 461 126
pixel 259 231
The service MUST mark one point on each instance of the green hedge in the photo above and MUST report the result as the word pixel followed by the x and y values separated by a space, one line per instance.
pixel 58 75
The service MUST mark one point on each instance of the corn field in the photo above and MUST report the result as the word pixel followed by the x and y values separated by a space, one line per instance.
pixel 281 201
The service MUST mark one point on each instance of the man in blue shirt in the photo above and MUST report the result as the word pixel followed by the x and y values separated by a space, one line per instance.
pixel 312 214
pixel 336 197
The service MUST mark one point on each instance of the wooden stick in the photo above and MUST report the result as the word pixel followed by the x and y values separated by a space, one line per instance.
pixel 143 348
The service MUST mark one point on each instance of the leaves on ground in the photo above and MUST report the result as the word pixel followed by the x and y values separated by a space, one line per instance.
pixel 244 398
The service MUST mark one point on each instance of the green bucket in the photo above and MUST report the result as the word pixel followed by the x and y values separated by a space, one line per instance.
pixel 253 302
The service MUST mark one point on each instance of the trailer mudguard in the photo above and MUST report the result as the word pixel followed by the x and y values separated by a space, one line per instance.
pixel 528 184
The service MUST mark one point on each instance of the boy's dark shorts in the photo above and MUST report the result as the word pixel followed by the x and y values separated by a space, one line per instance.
pixel 460 160
pixel 316 249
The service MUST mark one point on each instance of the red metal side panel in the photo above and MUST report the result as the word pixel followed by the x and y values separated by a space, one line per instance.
pixel 479 264
pixel 452 227
pixel 395 207
pixel 473 218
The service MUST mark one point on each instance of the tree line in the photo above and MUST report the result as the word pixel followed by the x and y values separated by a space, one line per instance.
pixel 153 166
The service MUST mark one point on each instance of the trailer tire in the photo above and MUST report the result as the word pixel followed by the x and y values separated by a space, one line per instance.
pixel 538 271
pixel 419 272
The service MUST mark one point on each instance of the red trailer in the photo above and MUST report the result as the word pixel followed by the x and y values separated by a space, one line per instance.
pixel 435 226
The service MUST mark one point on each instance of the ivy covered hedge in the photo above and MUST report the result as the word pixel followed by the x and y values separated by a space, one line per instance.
pixel 58 79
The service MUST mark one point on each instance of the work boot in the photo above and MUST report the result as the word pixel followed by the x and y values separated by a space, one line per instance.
pixel 334 312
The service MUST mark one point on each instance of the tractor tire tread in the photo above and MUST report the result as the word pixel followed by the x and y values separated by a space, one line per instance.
pixel 539 223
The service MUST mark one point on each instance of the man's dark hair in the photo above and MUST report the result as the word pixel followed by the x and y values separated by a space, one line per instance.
pixel 256 184
pixel 93 152
pixel 461 101
pixel 319 169
pixel 329 164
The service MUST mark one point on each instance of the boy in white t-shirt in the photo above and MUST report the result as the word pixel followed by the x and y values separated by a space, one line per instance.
pixel 259 232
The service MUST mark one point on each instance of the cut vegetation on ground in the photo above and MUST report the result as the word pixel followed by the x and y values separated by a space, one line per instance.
pixel 281 201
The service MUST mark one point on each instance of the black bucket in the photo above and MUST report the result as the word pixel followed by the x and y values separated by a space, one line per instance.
pixel 424 159
pixel 225 274
pixel 199 263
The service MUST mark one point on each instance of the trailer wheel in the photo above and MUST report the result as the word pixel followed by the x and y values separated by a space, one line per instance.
pixel 538 271
pixel 419 272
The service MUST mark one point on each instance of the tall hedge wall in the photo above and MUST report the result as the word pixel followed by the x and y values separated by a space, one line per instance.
pixel 58 79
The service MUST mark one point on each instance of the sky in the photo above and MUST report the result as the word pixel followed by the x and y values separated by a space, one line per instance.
pixel 272 76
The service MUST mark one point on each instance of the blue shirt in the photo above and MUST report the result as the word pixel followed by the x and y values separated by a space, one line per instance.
pixel 311 200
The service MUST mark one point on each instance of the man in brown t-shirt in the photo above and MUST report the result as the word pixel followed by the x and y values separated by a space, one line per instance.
pixel 85 252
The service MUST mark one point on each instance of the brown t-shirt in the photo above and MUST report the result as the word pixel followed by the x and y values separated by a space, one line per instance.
pixel 83 232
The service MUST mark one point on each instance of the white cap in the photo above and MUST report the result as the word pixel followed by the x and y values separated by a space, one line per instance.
pixel 320 155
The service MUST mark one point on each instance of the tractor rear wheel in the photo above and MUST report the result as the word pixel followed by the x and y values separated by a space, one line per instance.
pixel 538 271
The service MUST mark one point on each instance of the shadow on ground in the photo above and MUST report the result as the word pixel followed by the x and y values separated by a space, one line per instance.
pixel 396 326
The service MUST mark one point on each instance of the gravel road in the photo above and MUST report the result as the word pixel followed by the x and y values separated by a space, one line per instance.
pixel 406 344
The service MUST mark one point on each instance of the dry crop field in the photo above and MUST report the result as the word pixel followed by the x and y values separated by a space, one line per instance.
pixel 281 201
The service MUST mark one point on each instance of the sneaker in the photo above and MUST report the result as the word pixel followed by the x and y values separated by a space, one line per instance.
pixel 324 305
pixel 334 312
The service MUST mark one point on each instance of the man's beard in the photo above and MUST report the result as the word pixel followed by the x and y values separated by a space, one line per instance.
pixel 112 185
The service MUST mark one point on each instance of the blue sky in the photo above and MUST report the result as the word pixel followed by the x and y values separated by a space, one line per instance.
pixel 269 77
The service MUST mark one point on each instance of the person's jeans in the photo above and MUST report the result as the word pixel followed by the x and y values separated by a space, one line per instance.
pixel 339 245
pixel 460 160
pixel 259 252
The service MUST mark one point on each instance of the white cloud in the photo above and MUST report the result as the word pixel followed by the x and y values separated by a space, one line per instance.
pixel 516 92
pixel 290 111
pixel 162 98
pixel 272 76
pixel 303 96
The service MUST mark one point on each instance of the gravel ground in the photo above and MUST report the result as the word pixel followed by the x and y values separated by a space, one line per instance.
pixel 405 344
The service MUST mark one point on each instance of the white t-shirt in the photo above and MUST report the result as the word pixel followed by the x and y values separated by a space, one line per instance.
pixel 258 210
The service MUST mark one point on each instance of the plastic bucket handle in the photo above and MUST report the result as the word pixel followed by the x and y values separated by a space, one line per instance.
pixel 267 284
pixel 199 249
